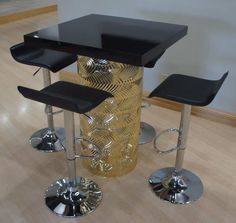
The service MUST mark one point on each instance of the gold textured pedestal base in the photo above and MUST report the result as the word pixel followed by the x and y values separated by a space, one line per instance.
pixel 113 125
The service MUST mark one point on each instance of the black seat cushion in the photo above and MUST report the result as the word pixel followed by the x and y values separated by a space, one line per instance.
pixel 69 96
pixel 188 90
pixel 50 59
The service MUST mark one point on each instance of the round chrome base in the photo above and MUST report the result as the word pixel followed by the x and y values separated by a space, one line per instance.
pixel 183 188
pixel 46 140
pixel 146 133
pixel 66 201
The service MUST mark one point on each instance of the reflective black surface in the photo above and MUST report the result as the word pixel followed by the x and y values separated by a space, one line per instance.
pixel 131 41
pixel 49 59
pixel 185 89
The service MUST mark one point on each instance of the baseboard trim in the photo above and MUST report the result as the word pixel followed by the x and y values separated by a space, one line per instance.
pixel 25 14
pixel 203 112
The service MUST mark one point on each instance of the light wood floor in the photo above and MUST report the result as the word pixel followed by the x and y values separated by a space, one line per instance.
pixel 25 173
pixel 12 6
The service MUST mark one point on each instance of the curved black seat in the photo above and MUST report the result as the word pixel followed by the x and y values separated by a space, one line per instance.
pixel 49 59
pixel 63 197
pixel 188 90
pixel 69 96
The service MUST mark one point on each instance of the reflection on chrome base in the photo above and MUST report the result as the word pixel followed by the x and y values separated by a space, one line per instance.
pixel 46 140
pixel 146 133
pixel 67 201
pixel 178 188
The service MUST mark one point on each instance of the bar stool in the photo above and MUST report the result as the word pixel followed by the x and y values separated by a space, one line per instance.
pixel 146 133
pixel 175 184
pixel 71 196
pixel 45 139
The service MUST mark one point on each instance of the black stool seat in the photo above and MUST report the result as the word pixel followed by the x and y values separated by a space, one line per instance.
pixel 188 90
pixel 49 59
pixel 69 96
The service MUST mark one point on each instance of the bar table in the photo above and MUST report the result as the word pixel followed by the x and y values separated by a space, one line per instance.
pixel 112 52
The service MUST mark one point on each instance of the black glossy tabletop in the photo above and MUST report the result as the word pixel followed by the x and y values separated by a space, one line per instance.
pixel 131 41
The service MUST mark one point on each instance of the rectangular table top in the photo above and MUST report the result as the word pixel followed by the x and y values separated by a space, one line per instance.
pixel 131 41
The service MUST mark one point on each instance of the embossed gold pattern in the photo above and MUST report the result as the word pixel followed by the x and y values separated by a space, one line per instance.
pixel 114 125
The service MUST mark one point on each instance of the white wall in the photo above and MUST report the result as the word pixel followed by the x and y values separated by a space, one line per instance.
pixel 207 51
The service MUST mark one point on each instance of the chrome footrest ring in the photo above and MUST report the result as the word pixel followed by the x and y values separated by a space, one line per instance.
pixel 161 133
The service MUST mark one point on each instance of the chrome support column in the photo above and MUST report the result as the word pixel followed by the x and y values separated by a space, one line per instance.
pixel 70 146
pixel 183 133
pixel 49 109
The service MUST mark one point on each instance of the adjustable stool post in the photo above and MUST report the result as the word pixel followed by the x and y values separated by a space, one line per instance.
pixel 70 146
pixel 49 109
pixel 182 139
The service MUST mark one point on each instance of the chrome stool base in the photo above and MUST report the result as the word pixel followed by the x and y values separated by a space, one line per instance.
pixel 146 134
pixel 46 140
pixel 177 188
pixel 68 201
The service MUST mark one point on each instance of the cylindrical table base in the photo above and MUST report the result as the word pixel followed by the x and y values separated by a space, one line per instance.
pixel 114 124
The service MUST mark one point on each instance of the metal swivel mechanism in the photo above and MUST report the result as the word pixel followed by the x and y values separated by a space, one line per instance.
pixel 46 139
pixel 175 184
pixel 146 132
pixel 71 196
